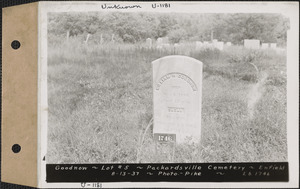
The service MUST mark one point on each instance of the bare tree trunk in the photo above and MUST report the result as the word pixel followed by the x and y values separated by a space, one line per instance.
pixel 113 38
pixel 101 39
pixel 87 38
pixel 68 35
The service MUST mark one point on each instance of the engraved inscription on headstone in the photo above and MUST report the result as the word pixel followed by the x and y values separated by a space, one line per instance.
pixel 177 93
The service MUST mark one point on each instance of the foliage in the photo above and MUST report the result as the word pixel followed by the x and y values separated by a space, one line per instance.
pixel 265 27
pixel 136 27
pixel 177 35
pixel 244 56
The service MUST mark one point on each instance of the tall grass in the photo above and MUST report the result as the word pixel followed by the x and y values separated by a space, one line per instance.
pixel 100 105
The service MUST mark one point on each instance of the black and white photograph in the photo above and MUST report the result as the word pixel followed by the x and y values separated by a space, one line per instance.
pixel 160 87
pixel 100 89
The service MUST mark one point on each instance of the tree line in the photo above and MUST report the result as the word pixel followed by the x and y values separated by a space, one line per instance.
pixel 178 27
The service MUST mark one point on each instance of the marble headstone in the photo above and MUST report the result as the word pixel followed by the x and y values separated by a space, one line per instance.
pixel 199 44
pixel 159 43
pixel 228 44
pixel 214 43
pixel 220 45
pixel 177 96
pixel 149 42
pixel 265 45
pixel 273 45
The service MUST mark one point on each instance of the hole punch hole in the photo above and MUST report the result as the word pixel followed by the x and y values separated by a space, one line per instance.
pixel 15 44
pixel 16 148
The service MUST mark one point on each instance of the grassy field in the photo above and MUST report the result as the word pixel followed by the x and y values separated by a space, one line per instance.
pixel 100 104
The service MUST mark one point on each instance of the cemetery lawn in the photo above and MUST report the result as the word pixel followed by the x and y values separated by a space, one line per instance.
pixel 100 105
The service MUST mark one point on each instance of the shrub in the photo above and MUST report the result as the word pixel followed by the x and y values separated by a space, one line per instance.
pixel 242 55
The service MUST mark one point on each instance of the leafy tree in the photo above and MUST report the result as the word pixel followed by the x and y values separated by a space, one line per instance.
pixel 175 36
pixel 165 25
pixel 136 27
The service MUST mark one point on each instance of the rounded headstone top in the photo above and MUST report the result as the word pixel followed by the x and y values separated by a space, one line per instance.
pixel 177 58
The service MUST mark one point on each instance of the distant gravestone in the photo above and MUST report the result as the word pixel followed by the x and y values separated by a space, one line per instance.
pixel 273 45
pixel 176 48
pixel 165 40
pixel 149 42
pixel 215 43
pixel 208 45
pixel 228 44
pixel 159 43
pixel 265 45
pixel 199 44
pixel 220 45
pixel 176 45
pixel 251 43
pixel 177 95
pixel 166 46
